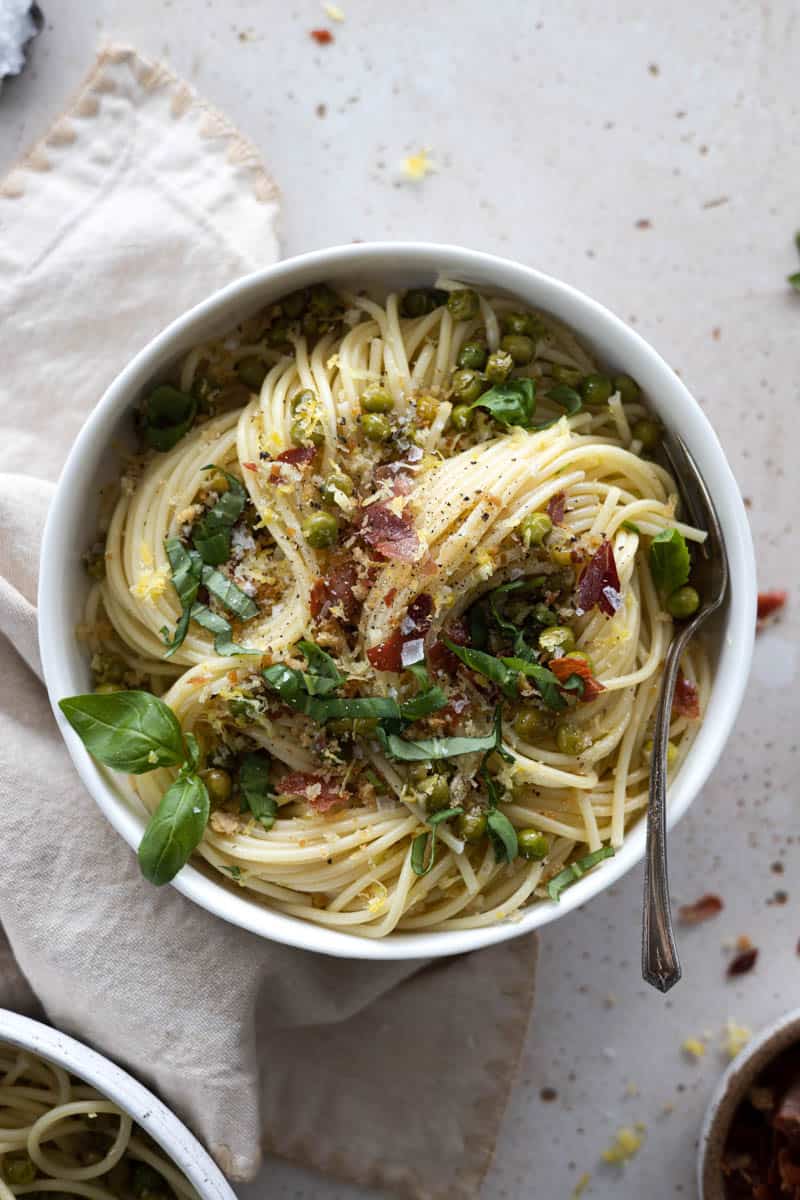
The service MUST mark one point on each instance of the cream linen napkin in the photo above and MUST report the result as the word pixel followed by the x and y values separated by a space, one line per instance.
pixel 139 202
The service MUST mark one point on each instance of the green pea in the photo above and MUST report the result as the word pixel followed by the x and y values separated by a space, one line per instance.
pixel 376 400
pixel 531 722
pixel 323 300
pixel 571 740
pixel 520 348
pixel 532 844
pixel 568 375
pixel 499 366
pixel 295 304
pixel 648 433
pixel 437 794
pixel 376 427
pixel 557 637
pixel 252 371
pixel 337 483
pixel 535 528
pixel 542 615
pixel 463 305
pixel 218 783
pixel 522 322
pixel 418 302
pixel 683 602
pixel 278 333
pixel 628 388
pixel 473 356
pixel 472 825
pixel 321 530
pixel 596 389
pixel 299 432
pixel 303 399
pixel 461 417
pixel 466 385
pixel 427 407
pixel 18 1168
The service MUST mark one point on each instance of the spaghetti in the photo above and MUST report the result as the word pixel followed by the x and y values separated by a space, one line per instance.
pixel 59 1136
pixel 406 578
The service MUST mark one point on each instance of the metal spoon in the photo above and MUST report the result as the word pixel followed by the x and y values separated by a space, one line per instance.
pixel 660 963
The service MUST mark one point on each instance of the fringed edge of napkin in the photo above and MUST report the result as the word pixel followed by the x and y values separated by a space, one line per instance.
pixel 150 76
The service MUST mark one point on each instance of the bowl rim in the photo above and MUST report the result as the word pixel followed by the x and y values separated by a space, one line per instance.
pixel 593 323
pixel 731 1089
pixel 151 1114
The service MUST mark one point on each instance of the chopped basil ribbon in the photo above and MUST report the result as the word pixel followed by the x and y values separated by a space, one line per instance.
pixel 505 673
pixel 504 836
pixel 188 573
pixel 211 536
pixel 574 871
pixel 167 415
pixel 419 845
pixel 669 560
pixel 514 403
pixel 136 732
pixel 323 675
pixel 129 731
pixel 434 748
pixel 255 789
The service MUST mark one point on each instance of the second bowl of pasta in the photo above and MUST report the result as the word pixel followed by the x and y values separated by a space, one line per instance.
pixel 371 626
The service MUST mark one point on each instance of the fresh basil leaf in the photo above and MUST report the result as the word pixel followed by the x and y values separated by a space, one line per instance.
pixel 224 644
pixel 211 536
pixel 574 871
pixel 546 682
pixel 444 814
pixel 129 731
pixel 669 560
pixel 192 751
pixel 288 682
pixel 565 397
pixel 187 566
pixel 358 709
pixel 423 704
pixel 228 594
pixel 510 403
pixel 486 664
pixel 166 416
pixel 255 788
pixel 504 836
pixel 175 829
pixel 429 749
pixel 321 667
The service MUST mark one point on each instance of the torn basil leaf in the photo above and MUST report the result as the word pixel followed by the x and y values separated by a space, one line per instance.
pixel 669 560
pixel 167 414
pixel 504 836
pixel 323 675
pixel 129 731
pixel 510 403
pixel 574 871
pixel 546 682
pixel 211 536
pixel 486 664
pixel 565 397
pixel 421 862
pixel 255 787
pixel 187 567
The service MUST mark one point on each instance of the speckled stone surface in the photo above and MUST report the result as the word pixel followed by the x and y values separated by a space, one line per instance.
pixel 650 155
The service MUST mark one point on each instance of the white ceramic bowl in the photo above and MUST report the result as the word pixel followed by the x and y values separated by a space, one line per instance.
pixel 179 1145
pixel 729 1093
pixel 62 583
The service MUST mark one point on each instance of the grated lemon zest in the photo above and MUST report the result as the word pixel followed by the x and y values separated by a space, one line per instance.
pixel 735 1037
pixel 694 1047
pixel 581 1185
pixel 626 1144
pixel 417 166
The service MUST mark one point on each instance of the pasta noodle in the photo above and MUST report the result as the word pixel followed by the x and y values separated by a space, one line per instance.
pixel 57 1135
pixel 433 518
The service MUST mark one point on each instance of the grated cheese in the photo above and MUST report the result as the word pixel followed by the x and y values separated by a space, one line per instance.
pixel 334 12
pixel 694 1047
pixel 735 1037
pixel 626 1144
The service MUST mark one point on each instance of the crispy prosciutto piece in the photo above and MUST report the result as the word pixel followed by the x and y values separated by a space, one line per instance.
pixel 336 590
pixel 686 701
pixel 599 583
pixel 769 603
pixel 704 909
pixel 562 668
pixel 297 456
pixel 442 659
pixel 399 649
pixel 555 507
pixel 392 537
pixel 323 793
pixel 402 483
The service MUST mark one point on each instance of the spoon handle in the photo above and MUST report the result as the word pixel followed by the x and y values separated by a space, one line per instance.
pixel 660 963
